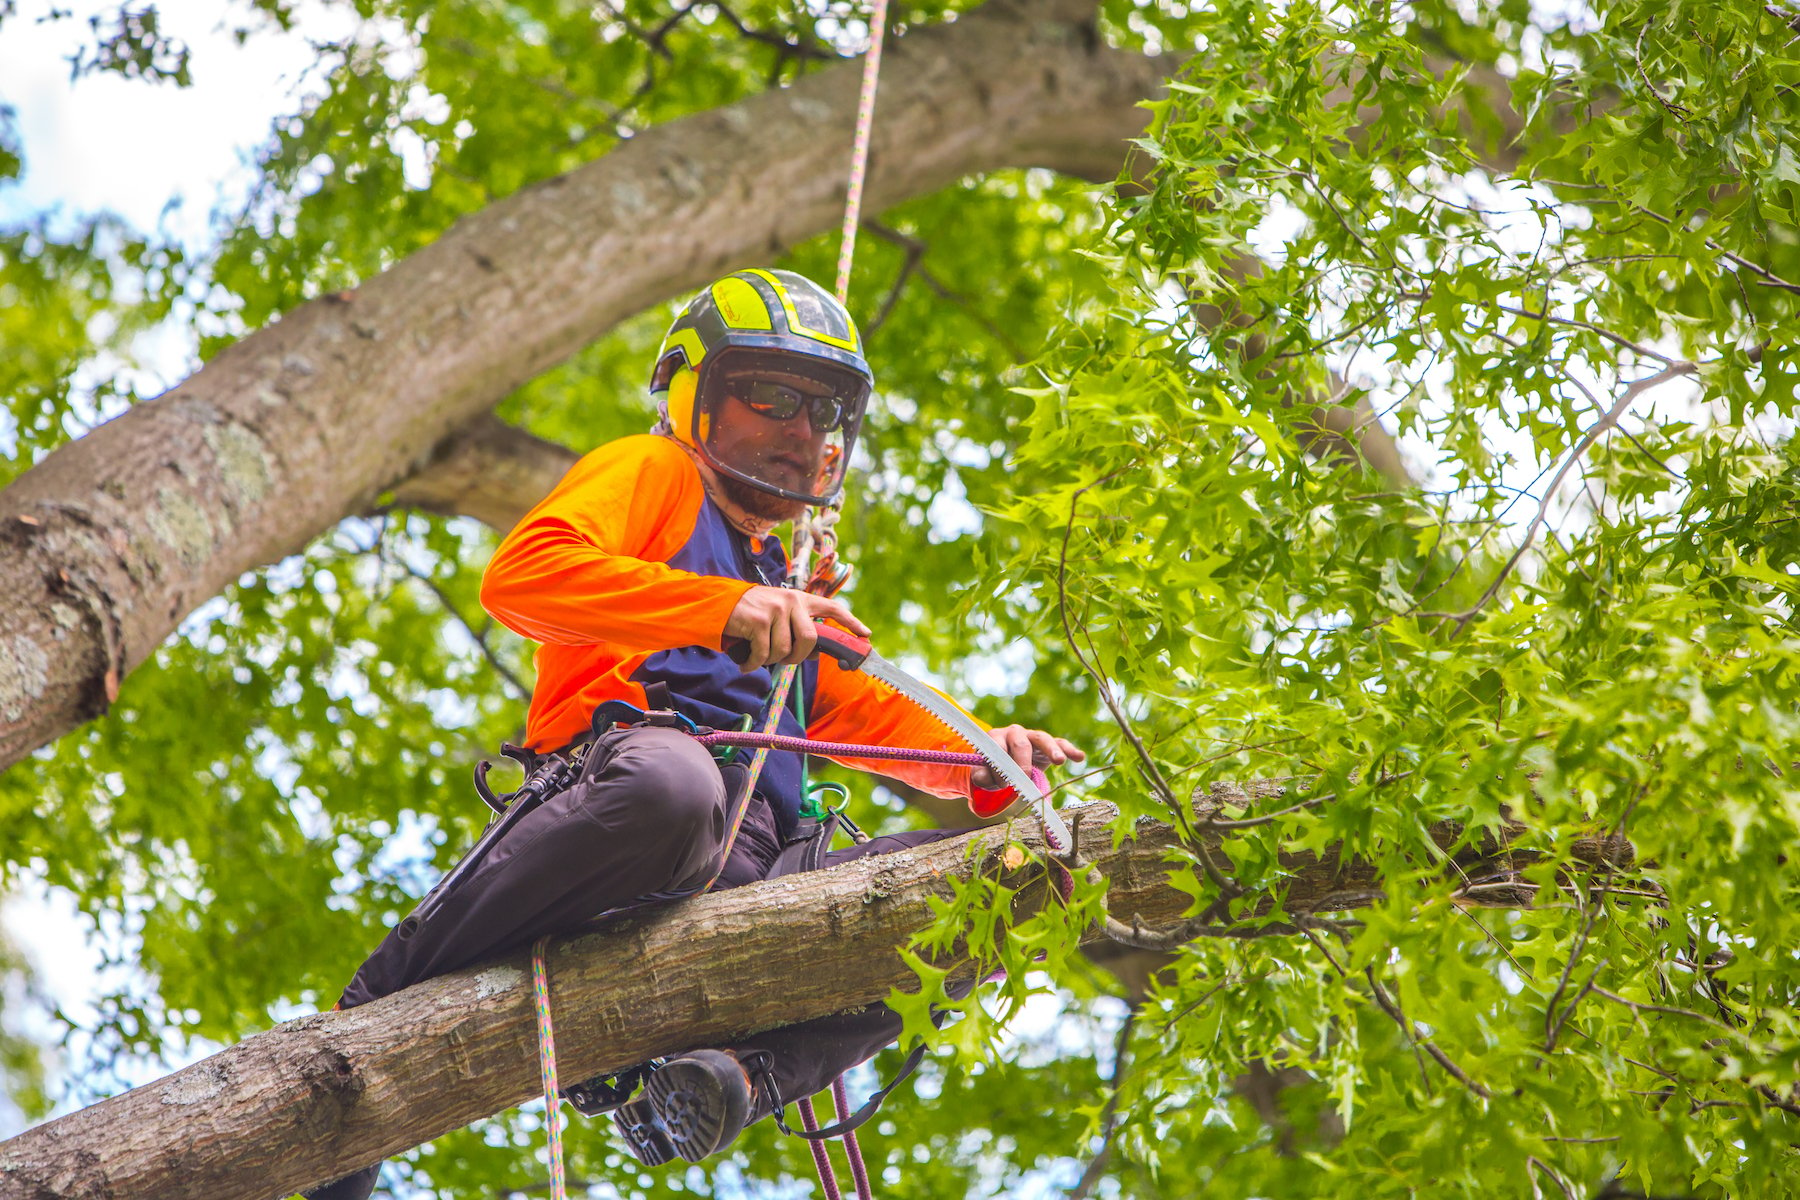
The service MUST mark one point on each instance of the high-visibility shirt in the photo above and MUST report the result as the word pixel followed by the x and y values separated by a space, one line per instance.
pixel 626 574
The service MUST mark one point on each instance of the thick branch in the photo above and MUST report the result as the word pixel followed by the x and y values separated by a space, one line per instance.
pixel 326 1094
pixel 111 540
pixel 488 470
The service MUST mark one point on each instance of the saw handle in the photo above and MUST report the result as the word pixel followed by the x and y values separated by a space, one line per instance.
pixel 846 649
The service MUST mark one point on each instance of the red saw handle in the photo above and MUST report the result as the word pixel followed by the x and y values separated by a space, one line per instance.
pixel 847 649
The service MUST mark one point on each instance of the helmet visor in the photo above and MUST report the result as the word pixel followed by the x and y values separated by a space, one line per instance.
pixel 783 423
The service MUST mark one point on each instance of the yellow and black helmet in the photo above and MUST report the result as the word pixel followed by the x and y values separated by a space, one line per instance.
pixel 775 343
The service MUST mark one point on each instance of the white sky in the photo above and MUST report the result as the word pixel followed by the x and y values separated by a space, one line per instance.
pixel 107 143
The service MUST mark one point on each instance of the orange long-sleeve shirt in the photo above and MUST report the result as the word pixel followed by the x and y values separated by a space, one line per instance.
pixel 626 574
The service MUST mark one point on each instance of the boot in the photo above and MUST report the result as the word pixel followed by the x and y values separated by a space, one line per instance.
pixel 692 1106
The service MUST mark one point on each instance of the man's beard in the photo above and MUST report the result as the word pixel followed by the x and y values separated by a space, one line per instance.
pixel 759 503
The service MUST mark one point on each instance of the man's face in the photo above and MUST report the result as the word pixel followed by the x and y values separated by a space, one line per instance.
pixel 781 425
pixel 787 452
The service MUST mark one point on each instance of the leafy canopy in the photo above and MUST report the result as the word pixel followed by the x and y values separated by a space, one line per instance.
pixel 1556 253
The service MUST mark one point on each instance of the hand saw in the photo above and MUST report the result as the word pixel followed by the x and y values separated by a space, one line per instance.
pixel 856 654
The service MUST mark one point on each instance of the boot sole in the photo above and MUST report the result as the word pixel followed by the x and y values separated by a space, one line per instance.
pixel 638 1125
pixel 696 1110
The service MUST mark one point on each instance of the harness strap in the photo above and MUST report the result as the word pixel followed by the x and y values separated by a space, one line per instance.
pixel 765 1078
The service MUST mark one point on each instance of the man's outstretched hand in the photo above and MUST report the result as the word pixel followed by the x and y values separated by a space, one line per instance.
pixel 1029 748
pixel 782 624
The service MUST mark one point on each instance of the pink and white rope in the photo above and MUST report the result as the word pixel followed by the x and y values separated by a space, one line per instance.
pixel 859 152
pixel 540 996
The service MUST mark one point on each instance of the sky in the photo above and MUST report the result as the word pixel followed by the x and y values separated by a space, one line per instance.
pixel 160 156
pixel 163 158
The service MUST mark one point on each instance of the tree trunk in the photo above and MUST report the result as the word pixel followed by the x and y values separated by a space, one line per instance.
pixel 112 539
pixel 326 1094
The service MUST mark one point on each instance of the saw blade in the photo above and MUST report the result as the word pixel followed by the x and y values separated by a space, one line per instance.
pixel 1056 833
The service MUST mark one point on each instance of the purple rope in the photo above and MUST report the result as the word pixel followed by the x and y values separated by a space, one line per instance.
pixel 821 1156
pixel 780 741
pixel 840 1096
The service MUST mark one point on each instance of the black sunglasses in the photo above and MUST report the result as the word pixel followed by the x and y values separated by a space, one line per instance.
pixel 779 402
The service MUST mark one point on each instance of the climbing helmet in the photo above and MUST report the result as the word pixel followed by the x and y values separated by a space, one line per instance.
pixel 776 345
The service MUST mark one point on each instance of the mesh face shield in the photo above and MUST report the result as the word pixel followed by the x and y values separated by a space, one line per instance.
pixel 783 423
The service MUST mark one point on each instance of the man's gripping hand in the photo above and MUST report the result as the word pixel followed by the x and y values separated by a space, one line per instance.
pixel 1029 748
pixel 782 624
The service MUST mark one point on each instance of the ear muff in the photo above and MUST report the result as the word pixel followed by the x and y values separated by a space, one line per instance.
pixel 681 405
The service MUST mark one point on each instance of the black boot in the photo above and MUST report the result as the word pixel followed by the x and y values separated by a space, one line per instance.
pixel 692 1106
pixel 355 1186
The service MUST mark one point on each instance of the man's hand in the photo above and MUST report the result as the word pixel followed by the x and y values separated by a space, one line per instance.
pixel 782 624
pixel 1029 748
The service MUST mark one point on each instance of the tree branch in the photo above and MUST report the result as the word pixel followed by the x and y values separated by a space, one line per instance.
pixel 488 470
pixel 326 1094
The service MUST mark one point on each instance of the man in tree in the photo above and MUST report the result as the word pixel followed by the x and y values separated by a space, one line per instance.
pixel 650 557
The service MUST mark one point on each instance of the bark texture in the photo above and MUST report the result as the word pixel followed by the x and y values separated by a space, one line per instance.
pixel 112 539
pixel 323 1095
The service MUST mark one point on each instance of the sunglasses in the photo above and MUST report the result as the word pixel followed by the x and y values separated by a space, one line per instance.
pixel 779 402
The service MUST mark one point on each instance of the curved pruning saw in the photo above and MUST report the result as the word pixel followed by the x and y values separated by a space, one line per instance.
pixel 856 654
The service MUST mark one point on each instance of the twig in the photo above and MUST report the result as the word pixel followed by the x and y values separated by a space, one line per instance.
pixel 944 292
pixel 1109 1115
pixel 1392 1008
pixel 1498 944
pixel 1769 278
pixel 1640 1007
pixel 1290 810
pixel 1151 772
pixel 1536 1164
pixel 478 636
pixel 915 251
pixel 1609 335
pixel 1679 112
pixel 786 44
pixel 1552 1023
pixel 1556 1026
pixel 1593 435
pixel 1176 936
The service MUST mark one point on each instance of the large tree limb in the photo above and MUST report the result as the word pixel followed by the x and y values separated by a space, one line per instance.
pixel 112 539
pixel 329 1093
pixel 488 470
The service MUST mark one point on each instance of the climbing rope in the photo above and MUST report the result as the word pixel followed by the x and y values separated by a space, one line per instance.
pixel 859 1173
pixel 818 533
pixel 859 152
pixel 540 995
pixel 821 1153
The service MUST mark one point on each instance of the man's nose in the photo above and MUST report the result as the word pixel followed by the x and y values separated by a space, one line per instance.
pixel 797 428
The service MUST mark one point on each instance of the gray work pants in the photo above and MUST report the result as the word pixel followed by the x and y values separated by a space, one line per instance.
pixel 646 819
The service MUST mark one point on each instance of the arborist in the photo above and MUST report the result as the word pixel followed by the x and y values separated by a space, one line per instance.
pixel 654 557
